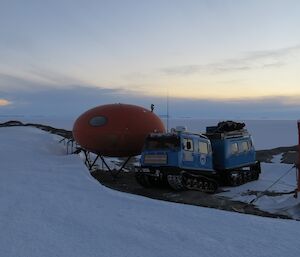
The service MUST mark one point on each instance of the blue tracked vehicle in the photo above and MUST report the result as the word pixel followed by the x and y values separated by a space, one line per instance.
pixel 224 155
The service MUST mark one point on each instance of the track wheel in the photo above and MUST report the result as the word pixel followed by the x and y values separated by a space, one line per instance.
pixel 143 180
pixel 212 188
pixel 255 175
pixel 175 182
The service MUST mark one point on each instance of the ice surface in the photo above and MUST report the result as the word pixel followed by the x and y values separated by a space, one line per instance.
pixel 266 134
pixel 271 172
pixel 277 158
pixel 51 206
pixel 284 204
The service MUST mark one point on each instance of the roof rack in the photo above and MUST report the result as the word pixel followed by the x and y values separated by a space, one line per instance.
pixel 227 134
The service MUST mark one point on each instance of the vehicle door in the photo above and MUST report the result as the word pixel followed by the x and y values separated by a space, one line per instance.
pixel 188 153
pixel 205 154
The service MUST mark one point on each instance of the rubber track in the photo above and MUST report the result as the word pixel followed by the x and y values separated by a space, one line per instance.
pixel 199 183
pixel 175 182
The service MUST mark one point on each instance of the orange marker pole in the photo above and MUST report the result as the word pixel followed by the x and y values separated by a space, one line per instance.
pixel 298 164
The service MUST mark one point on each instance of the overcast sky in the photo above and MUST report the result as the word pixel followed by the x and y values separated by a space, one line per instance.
pixel 215 59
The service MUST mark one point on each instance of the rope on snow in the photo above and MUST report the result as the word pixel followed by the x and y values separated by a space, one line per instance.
pixel 274 183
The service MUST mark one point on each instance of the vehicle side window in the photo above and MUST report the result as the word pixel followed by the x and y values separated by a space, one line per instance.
pixel 188 144
pixel 245 146
pixel 250 144
pixel 234 148
pixel 203 147
pixel 209 148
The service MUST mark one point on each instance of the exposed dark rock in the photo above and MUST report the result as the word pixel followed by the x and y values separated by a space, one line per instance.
pixel 290 154
pixel 126 183
pixel 61 132
pixel 11 123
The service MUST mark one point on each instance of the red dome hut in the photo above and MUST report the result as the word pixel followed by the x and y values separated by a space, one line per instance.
pixel 116 130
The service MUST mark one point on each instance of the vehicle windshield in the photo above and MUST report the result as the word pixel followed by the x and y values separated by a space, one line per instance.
pixel 162 143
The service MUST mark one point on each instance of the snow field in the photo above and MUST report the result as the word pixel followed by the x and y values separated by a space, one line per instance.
pixel 51 206
pixel 271 172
